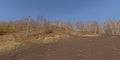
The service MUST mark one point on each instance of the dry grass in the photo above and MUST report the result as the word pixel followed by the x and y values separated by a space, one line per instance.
pixel 10 46
pixel 83 34
pixel 43 39
pixel 14 41
pixel 92 35
pixel 54 38
pixel 10 42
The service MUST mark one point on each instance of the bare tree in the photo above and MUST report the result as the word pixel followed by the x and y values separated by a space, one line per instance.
pixel 79 27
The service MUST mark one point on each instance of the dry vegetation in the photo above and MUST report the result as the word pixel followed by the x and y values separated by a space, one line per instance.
pixel 15 34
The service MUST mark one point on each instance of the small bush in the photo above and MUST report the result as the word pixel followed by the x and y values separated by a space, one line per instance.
pixel 2 32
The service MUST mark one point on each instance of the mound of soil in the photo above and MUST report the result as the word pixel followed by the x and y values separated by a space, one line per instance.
pixel 73 48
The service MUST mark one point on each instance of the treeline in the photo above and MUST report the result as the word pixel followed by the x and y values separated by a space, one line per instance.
pixel 43 26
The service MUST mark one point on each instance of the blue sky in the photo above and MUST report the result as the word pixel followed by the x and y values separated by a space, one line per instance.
pixel 65 10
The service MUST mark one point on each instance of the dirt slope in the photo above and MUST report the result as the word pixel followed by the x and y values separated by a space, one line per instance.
pixel 74 48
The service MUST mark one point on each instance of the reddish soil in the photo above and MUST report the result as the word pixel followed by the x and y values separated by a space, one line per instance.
pixel 74 48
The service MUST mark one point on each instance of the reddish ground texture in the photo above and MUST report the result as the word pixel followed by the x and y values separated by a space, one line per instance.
pixel 73 48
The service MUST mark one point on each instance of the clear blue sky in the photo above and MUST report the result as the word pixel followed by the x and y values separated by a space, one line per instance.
pixel 66 10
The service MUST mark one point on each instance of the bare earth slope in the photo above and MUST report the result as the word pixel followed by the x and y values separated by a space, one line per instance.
pixel 74 48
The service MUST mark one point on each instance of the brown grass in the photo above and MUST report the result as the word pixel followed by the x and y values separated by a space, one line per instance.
pixel 84 34
pixel 10 46
pixel 43 39
pixel 10 42
pixel 14 41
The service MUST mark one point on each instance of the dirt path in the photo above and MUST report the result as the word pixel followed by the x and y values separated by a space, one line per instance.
pixel 74 48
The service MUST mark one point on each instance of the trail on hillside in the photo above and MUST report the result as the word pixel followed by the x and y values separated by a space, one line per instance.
pixel 73 48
